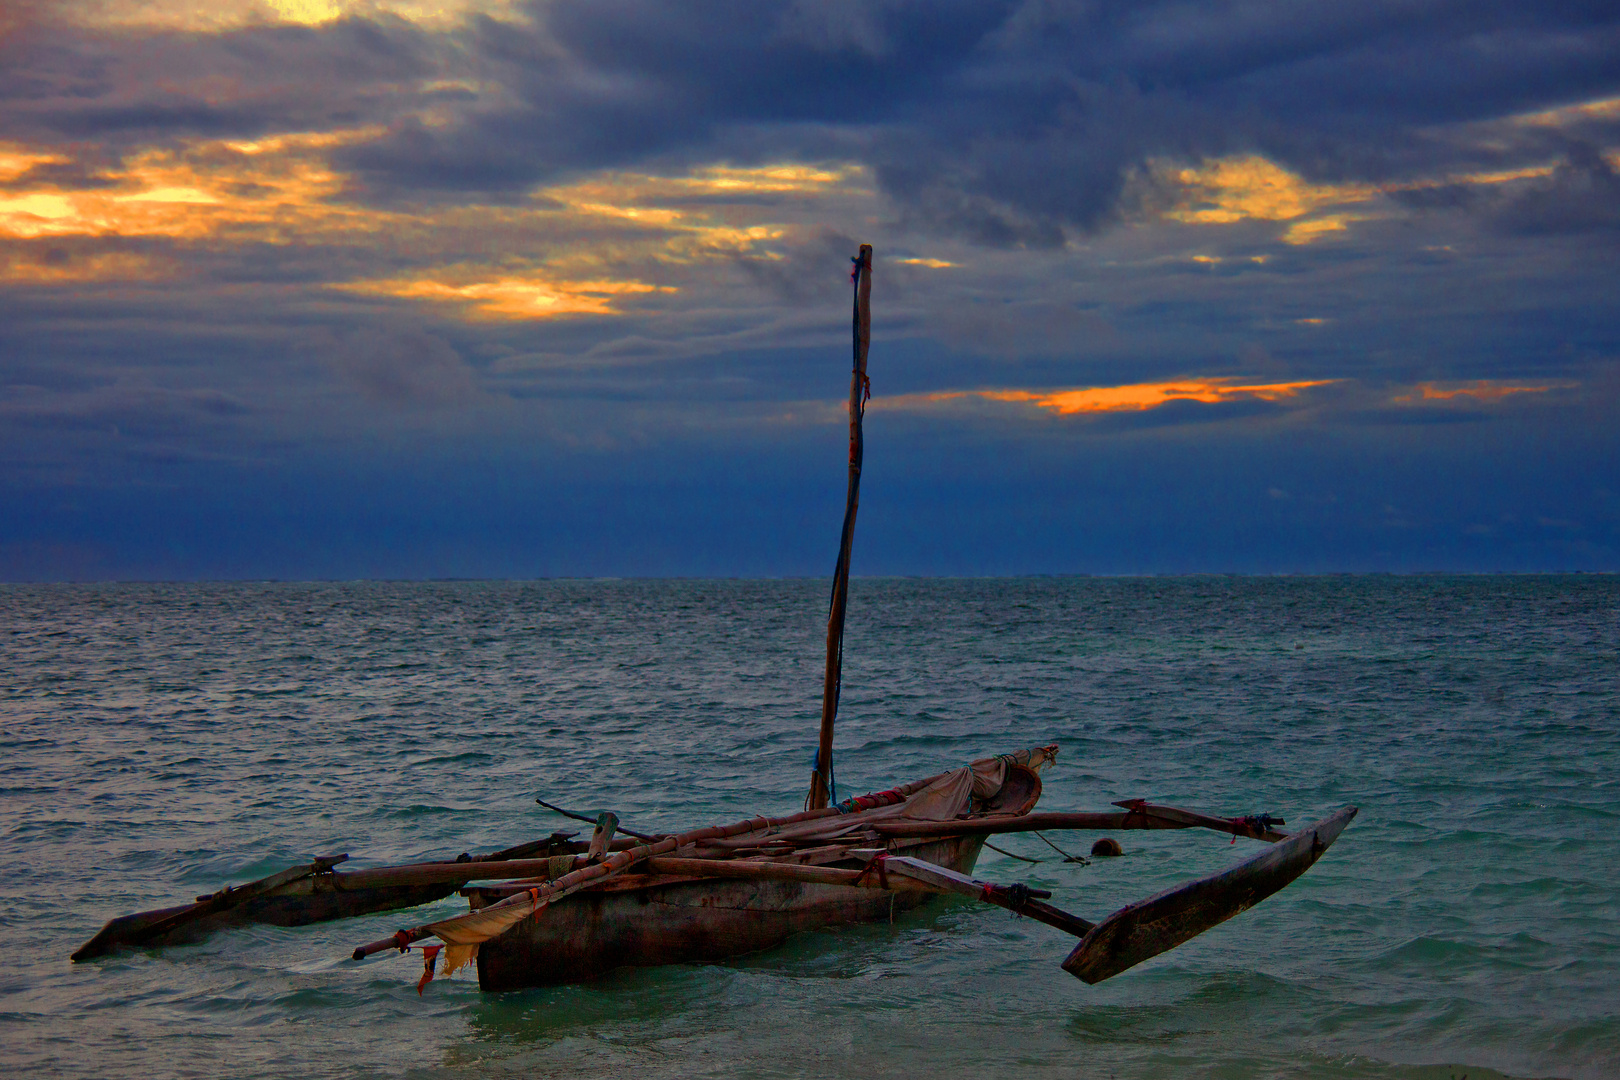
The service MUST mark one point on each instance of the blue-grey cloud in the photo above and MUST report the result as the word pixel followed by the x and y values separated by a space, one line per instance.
pixel 1007 123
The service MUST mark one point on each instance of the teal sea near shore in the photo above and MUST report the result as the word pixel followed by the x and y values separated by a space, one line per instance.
pixel 162 740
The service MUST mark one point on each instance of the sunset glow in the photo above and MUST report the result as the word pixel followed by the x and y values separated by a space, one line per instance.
pixel 1136 397
pixel 219 15
pixel 1151 395
pixel 1480 390
pixel 514 297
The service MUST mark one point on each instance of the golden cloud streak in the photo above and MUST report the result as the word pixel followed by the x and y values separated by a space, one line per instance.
pixel 629 190
pixel 1229 190
pixel 214 16
pixel 1226 191
pixel 1601 109
pixel 1484 390
pixel 16 160
pixel 273 191
pixel 694 233
pixel 280 189
pixel 101 267
pixel 1138 397
pixel 512 297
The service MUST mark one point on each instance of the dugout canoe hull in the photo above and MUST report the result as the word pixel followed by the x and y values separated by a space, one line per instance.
pixel 654 921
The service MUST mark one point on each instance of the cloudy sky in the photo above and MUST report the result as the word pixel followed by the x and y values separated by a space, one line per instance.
pixel 333 289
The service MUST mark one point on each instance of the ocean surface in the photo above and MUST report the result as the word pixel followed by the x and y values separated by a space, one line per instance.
pixel 160 741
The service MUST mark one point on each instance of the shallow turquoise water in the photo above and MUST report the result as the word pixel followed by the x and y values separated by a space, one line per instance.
pixel 161 740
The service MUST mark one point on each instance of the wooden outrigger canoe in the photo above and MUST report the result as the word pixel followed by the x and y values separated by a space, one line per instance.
pixel 560 910
pixel 721 892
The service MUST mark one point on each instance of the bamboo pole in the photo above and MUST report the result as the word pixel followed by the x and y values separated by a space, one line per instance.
pixel 1141 816
pixel 821 783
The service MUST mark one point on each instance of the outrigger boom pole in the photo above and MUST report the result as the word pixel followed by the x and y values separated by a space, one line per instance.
pixel 821 780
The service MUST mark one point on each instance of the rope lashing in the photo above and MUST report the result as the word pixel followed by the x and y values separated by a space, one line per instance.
pixel 876 864
pixel 1010 855
pixel 1253 825
pixel 1066 856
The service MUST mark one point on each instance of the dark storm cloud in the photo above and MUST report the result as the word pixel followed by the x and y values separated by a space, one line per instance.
pixel 1006 123
pixel 1582 194
pixel 62 83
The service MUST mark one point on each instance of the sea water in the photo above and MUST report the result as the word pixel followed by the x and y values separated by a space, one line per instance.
pixel 163 740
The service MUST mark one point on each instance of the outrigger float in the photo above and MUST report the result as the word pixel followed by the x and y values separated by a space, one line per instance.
pixel 561 910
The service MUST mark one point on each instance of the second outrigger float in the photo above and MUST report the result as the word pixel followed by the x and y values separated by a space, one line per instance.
pixel 561 910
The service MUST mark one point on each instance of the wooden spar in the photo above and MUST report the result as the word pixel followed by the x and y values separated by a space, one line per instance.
pixel 821 779
pixel 897 874
pixel 1016 898
pixel 1259 825
pixel 623 860
pixel 592 821
pixel 746 870
pixel 756 870
pixel 1141 816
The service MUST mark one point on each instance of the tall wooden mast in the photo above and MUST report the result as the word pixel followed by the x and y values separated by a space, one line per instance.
pixel 821 780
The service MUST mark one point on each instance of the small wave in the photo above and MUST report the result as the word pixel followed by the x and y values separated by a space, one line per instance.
pixel 424 810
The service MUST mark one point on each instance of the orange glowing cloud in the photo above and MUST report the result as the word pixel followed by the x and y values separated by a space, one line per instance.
pixel 213 16
pixel 105 266
pixel 16 160
pixel 512 296
pixel 1601 109
pixel 1229 190
pixel 688 232
pixel 1144 396
pixel 281 189
pixel 1484 390
pixel 1138 397
pixel 270 191
pixel 1225 191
